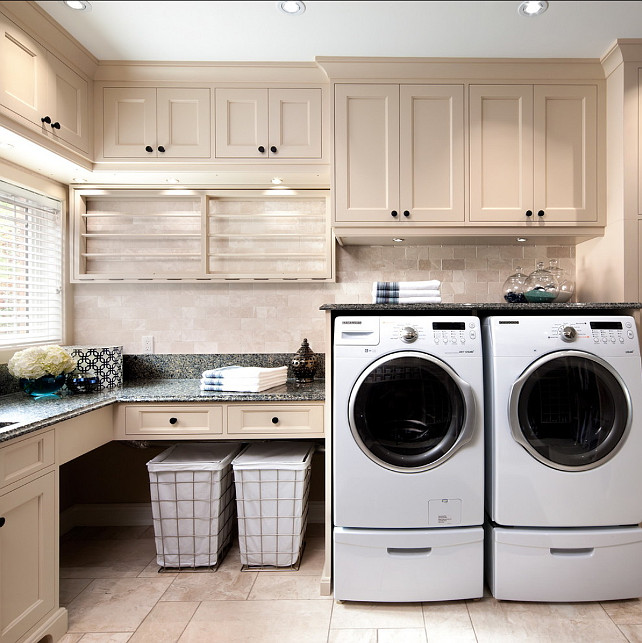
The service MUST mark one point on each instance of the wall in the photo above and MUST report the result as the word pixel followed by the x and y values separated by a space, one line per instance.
pixel 267 318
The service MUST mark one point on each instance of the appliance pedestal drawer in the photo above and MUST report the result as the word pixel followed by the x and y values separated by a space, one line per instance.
pixel 408 565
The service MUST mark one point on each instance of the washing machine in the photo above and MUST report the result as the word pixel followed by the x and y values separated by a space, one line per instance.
pixel 563 404
pixel 408 458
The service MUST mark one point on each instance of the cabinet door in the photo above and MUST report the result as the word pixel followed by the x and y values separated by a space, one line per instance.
pixel 183 120
pixel 69 107
pixel 242 123
pixel 23 74
pixel 431 152
pixel 27 556
pixel 295 123
pixel 565 152
pixel 366 142
pixel 129 122
pixel 501 153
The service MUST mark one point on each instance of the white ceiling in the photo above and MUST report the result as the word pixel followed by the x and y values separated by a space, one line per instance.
pixel 256 31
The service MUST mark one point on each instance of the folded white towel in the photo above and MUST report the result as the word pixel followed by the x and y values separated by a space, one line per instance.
pixel 244 381
pixel 433 292
pixel 407 300
pixel 432 284
pixel 238 372
pixel 239 388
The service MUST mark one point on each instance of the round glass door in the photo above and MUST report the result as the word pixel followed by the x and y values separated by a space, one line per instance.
pixel 570 410
pixel 409 412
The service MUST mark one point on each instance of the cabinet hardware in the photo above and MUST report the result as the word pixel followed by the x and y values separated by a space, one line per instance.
pixel 173 420
pixel 406 213
pixel 55 125
pixel 149 148
pixel 2 521
pixel 394 213
pixel 275 420
pixel 46 119
pixel 540 213
pixel 273 149
pixel 161 149
pixel 529 213
pixel 261 149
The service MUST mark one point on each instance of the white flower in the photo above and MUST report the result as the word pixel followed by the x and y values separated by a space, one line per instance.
pixel 35 362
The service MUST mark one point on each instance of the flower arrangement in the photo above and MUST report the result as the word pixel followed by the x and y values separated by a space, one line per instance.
pixel 40 361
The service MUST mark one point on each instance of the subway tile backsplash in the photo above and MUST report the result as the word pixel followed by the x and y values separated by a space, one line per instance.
pixel 275 317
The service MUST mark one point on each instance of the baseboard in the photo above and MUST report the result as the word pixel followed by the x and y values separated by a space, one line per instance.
pixel 135 514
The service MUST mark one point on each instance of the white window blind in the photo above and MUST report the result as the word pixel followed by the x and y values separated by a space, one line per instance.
pixel 31 245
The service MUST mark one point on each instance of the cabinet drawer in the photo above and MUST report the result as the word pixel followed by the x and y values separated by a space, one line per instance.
pixel 173 420
pixel 21 459
pixel 284 420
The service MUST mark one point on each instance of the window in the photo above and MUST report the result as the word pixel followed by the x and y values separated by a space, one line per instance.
pixel 31 255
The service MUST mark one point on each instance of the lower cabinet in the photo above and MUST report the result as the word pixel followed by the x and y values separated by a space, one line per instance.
pixel 27 556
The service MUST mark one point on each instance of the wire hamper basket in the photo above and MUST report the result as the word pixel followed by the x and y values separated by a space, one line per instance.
pixel 193 504
pixel 272 487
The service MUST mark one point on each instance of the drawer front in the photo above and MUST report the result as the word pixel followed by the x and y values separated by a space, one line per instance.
pixel 283 420
pixel 20 459
pixel 173 420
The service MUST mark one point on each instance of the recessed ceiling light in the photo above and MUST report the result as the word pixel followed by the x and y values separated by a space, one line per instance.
pixel 531 8
pixel 522 239
pixel 292 8
pixel 77 5
pixel 398 239
pixel 277 180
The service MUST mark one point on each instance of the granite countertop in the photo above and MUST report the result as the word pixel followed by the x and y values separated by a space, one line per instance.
pixel 472 309
pixel 27 414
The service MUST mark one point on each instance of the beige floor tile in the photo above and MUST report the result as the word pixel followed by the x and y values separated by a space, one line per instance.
pixel 448 621
pixel 287 585
pixel 405 635
pixel 152 570
pixel 352 636
pixel 115 605
pixel 632 632
pixel 265 621
pixel 624 612
pixel 109 637
pixel 71 587
pixel 71 637
pixel 221 585
pixel 377 615
pixel 165 623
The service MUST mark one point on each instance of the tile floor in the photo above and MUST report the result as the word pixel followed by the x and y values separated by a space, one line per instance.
pixel 114 593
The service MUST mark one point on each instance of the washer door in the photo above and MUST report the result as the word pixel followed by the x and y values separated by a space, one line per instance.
pixel 410 412
pixel 570 410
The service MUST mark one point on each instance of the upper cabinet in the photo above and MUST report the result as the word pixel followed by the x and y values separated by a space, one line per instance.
pixel 533 153
pixel 40 91
pixel 399 153
pixel 268 123
pixel 164 122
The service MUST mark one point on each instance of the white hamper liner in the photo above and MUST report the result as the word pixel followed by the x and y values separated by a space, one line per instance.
pixel 272 485
pixel 192 503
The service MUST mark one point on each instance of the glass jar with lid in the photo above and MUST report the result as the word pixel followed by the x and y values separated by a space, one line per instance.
pixel 566 286
pixel 513 288
pixel 541 286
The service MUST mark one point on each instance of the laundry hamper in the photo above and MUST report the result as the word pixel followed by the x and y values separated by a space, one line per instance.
pixel 193 506
pixel 272 482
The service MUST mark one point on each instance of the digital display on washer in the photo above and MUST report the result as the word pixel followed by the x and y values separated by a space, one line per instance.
pixel 449 326
pixel 606 325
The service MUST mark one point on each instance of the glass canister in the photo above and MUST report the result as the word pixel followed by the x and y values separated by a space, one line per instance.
pixel 541 286
pixel 513 288
pixel 566 287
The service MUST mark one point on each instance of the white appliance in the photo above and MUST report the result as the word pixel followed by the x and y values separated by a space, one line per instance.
pixel 564 440
pixel 408 458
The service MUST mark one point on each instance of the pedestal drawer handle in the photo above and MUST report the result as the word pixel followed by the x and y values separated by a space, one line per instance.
pixel 173 420
pixel 2 521
pixel 275 420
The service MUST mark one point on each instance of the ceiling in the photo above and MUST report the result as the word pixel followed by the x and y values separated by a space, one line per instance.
pixel 256 31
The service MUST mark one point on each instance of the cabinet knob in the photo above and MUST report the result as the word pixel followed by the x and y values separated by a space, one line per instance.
pixel 394 213
pixel 261 149
pixel 55 125
pixel 46 119
pixel 275 420
pixel 161 149
pixel 541 213
pixel 273 149
pixel 529 213
pixel 2 521
pixel 406 213
pixel 173 420
pixel 149 148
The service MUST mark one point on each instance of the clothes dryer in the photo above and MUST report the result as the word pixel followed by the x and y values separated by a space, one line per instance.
pixel 407 458
pixel 563 437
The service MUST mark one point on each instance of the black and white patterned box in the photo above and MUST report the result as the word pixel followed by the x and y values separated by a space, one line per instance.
pixel 105 362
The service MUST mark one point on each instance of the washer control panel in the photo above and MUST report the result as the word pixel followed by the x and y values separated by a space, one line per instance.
pixel 431 332
pixel 598 332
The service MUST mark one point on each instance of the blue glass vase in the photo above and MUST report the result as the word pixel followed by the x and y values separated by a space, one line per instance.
pixel 45 386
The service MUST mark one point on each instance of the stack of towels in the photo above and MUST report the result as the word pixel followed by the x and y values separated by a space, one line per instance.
pixel 243 379
pixel 406 292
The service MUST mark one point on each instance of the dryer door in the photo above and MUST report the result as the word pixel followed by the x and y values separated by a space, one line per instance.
pixel 570 410
pixel 410 412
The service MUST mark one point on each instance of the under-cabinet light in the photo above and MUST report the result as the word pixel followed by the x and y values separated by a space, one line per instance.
pixel 291 8
pixel 77 5
pixel 398 239
pixel 521 239
pixel 531 8
pixel 277 181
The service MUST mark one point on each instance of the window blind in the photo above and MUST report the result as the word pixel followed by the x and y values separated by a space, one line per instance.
pixel 31 254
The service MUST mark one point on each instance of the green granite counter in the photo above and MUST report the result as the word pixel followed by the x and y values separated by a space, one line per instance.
pixel 26 414
pixel 487 309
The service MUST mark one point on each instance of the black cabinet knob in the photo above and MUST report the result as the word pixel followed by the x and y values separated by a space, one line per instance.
pixel 541 213
pixel 529 213
pixel 394 213
pixel 173 420
pixel 149 148
pixel 406 213
pixel 161 148
pixel 2 521
pixel 273 149
pixel 261 149
pixel 46 119
pixel 55 125
pixel 275 420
